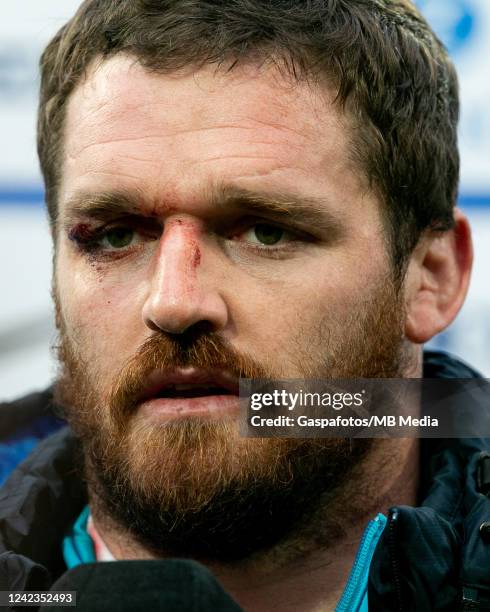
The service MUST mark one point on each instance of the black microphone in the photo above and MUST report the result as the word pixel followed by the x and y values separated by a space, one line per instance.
pixel 174 585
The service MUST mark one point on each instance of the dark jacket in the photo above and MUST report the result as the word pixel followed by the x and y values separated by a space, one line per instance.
pixel 435 556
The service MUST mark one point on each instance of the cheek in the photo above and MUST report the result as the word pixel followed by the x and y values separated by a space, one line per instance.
pixel 99 314
pixel 321 296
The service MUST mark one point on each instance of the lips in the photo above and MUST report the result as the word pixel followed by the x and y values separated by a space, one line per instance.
pixel 189 392
pixel 189 382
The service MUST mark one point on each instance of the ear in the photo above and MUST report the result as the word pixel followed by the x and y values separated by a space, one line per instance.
pixel 437 280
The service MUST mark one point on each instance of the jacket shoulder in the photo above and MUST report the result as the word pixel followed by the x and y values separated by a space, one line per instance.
pixel 23 423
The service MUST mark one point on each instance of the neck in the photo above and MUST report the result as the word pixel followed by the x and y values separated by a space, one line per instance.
pixel 305 571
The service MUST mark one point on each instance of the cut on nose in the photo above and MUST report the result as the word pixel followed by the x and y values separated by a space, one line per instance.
pixel 182 295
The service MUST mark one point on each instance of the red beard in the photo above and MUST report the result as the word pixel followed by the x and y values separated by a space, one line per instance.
pixel 195 487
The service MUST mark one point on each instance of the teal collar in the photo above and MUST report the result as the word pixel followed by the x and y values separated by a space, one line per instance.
pixel 77 545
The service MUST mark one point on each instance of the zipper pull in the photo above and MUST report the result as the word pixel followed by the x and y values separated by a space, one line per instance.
pixel 469 601
pixel 483 474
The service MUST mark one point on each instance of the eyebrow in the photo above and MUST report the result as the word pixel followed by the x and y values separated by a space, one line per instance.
pixel 308 211
pixel 100 206
pixel 284 207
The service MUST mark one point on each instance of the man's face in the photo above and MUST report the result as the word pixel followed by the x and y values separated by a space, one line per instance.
pixel 211 223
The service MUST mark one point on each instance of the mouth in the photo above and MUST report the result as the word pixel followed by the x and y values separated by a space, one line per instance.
pixel 177 391
pixel 189 392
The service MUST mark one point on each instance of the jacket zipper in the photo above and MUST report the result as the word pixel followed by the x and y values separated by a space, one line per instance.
pixel 392 526
pixel 355 589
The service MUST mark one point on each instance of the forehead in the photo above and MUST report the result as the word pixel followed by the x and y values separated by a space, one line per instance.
pixel 130 128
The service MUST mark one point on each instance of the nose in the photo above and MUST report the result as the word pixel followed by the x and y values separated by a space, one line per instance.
pixel 181 294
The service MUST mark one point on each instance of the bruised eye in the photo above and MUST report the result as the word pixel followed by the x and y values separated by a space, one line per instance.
pixel 118 237
pixel 107 241
pixel 266 234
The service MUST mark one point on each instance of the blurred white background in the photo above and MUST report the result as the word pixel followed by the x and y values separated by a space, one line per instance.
pixel 26 328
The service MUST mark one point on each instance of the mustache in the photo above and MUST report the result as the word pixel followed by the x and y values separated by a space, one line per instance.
pixel 161 351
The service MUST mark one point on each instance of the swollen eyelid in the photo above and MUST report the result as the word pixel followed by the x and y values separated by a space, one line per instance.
pixel 111 238
pixel 82 233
